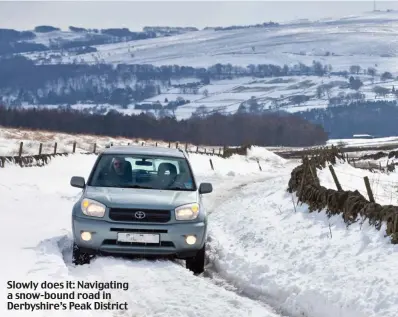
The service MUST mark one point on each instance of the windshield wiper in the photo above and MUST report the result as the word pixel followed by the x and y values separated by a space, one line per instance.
pixel 178 188
pixel 138 186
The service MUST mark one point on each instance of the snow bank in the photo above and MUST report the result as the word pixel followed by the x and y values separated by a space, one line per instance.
pixel 304 263
pixel 35 206
pixel 262 154
pixel 233 166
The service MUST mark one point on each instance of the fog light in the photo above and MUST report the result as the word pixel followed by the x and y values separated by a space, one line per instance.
pixel 190 240
pixel 86 236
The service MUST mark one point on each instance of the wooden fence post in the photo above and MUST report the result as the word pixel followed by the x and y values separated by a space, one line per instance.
pixel 40 148
pixel 55 148
pixel 336 180
pixel 259 166
pixel 186 147
pixel 302 182
pixel 396 223
pixel 369 190
pixel 211 164
pixel 169 144
pixel 312 172
pixel 95 148
pixel 20 149
pixel 213 150
pixel 197 149
pixel 156 144
pixel 142 144
pixel 74 147
pixel 176 145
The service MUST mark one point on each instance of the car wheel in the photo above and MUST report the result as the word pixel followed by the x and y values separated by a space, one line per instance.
pixel 79 257
pixel 196 264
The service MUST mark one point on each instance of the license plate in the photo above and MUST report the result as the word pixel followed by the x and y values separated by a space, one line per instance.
pixel 138 237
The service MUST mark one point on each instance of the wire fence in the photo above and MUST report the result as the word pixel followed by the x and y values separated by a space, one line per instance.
pixel 27 149
pixel 383 190
pixel 40 154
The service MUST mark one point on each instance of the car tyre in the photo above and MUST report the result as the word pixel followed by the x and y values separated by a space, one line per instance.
pixel 196 264
pixel 79 257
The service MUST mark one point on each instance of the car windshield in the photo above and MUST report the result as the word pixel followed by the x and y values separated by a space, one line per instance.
pixel 143 171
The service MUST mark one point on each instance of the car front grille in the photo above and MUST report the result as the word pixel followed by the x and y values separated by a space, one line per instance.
pixel 132 215
pixel 165 244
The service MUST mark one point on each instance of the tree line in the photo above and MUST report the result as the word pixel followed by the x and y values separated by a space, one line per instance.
pixel 217 129
pixel 377 118
pixel 22 81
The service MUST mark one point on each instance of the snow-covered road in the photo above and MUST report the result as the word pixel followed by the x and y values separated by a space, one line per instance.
pixel 35 207
pixel 265 258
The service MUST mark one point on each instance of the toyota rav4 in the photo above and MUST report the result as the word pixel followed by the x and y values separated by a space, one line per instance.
pixel 141 201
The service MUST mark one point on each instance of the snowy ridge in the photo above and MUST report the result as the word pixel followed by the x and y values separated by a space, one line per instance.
pixel 346 40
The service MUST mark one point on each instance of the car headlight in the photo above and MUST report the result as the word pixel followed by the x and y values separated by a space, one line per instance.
pixel 187 212
pixel 93 208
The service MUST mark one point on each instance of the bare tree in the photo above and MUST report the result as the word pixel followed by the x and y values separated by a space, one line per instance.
pixel 355 69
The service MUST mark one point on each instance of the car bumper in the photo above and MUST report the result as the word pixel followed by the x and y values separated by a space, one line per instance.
pixel 172 237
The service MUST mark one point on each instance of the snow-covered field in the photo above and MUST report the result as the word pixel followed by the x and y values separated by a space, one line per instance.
pixel 10 140
pixel 226 98
pixel 265 258
pixel 364 142
pixel 368 40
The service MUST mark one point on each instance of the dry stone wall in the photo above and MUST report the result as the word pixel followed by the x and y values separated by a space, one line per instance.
pixel 351 205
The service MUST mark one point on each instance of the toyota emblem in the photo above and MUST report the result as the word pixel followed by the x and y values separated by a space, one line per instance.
pixel 139 215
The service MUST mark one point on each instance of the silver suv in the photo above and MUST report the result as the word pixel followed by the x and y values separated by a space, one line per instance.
pixel 141 201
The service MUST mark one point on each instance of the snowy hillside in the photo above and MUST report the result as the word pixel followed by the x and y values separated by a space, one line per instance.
pixel 365 40
pixel 291 94
pixel 293 67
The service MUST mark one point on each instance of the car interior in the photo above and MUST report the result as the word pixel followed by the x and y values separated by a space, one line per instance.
pixel 145 172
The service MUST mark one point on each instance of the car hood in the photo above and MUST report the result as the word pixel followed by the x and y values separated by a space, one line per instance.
pixel 140 198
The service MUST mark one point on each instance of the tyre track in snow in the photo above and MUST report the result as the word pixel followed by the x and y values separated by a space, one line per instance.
pixel 211 271
pixel 158 288
pixel 211 274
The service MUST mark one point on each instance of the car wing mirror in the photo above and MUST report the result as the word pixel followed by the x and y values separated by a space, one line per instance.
pixel 205 188
pixel 77 181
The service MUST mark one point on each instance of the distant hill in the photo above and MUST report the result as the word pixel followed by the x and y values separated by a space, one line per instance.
pixel 183 71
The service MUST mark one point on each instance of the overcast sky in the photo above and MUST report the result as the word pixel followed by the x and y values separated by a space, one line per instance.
pixel 24 15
